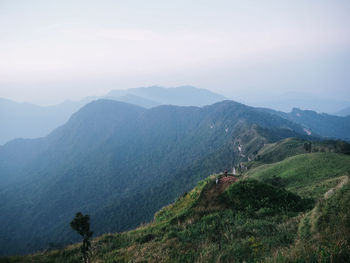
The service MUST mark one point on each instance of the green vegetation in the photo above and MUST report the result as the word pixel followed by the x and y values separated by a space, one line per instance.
pixel 322 124
pixel 252 195
pixel 323 233
pixel 187 231
pixel 295 210
pixel 120 164
pixel 81 224
pixel 278 151
pixel 125 171
pixel 309 175
pixel 328 126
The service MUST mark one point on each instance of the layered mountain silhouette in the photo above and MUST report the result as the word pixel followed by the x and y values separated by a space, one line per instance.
pixel 154 96
pixel 24 120
pixel 121 163
pixel 325 125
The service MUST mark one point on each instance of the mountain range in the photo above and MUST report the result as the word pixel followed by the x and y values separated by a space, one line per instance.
pixel 24 120
pixel 154 96
pixel 121 163
pixel 288 205
pixel 325 125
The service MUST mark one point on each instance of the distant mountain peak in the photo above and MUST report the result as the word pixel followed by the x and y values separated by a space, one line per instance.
pixel 182 96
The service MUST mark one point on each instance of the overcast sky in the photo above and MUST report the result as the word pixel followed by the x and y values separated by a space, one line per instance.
pixel 246 50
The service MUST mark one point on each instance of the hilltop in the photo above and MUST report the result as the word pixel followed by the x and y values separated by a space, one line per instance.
pixel 290 210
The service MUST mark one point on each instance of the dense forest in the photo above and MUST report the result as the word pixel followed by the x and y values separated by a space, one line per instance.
pixel 121 163
pixel 293 209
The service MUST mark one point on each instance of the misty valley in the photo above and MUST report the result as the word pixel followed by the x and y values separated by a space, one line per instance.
pixel 174 131
pixel 178 184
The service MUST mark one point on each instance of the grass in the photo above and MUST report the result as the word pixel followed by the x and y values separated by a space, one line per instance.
pixel 277 213
pixel 280 150
pixel 323 233
pixel 306 174
pixel 183 233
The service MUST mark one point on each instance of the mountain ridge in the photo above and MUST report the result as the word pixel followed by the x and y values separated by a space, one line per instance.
pixel 325 125
pixel 25 120
pixel 115 154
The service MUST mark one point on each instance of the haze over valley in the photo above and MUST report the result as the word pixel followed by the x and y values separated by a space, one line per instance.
pixel 178 131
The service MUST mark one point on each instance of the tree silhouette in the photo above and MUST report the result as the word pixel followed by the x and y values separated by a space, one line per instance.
pixel 81 224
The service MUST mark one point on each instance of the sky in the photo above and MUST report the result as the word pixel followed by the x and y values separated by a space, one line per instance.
pixel 251 51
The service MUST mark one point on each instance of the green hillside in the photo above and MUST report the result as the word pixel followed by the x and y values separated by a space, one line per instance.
pixel 309 175
pixel 295 210
pixel 120 164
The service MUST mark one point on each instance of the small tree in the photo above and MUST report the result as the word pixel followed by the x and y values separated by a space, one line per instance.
pixel 81 224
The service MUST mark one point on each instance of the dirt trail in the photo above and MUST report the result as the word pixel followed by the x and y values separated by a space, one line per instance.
pixel 343 180
pixel 313 214
pixel 224 182
pixel 210 199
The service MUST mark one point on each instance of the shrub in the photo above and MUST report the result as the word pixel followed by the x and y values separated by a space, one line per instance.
pixel 252 195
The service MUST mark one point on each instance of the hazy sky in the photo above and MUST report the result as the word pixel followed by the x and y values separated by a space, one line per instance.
pixel 248 50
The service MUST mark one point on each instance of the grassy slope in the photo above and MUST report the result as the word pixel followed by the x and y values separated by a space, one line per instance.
pixel 191 230
pixel 280 150
pixel 309 175
pixel 323 233
pixel 188 231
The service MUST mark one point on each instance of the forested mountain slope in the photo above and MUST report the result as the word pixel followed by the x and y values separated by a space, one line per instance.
pixel 325 125
pixel 121 163
pixel 294 210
